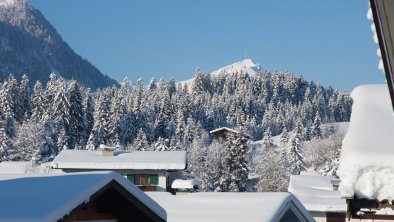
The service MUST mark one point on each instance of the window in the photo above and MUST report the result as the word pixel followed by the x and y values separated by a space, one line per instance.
pixel 147 179
pixel 131 178
pixel 290 216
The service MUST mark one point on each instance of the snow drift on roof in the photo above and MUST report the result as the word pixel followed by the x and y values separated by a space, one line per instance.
pixel 27 197
pixel 137 160
pixel 366 164
pixel 184 184
pixel 316 193
pixel 11 167
pixel 229 207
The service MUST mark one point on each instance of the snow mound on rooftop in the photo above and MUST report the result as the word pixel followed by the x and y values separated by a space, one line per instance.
pixel 366 166
pixel 316 192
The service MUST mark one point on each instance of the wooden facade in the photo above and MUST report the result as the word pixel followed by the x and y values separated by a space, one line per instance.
pixel 113 202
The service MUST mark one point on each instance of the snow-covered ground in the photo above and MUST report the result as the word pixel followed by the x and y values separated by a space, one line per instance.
pixel 366 164
pixel 340 127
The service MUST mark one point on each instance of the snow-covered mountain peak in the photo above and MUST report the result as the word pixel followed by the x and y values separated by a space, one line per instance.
pixel 244 66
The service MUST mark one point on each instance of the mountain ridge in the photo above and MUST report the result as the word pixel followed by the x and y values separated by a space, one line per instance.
pixel 30 45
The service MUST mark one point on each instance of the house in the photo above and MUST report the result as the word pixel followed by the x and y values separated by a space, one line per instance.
pixel 231 207
pixel 149 170
pixel 366 166
pixel 319 195
pixel 224 132
pixel 95 196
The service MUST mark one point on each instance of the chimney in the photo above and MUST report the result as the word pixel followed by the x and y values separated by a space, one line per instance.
pixel 335 184
pixel 106 151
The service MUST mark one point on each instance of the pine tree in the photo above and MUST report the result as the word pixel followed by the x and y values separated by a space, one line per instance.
pixel 5 144
pixel 271 170
pixel 267 139
pixel 234 167
pixel 88 106
pixel 317 132
pixel 99 134
pixel 76 127
pixel 140 142
pixel 24 104
pixel 7 106
pixel 284 136
pixel 294 156
pixel 39 103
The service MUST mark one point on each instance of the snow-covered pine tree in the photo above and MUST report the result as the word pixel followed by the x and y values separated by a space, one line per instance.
pixel 316 128
pixel 140 142
pixel 24 103
pixel 76 126
pixel 200 166
pixel 61 115
pixel 267 139
pixel 7 106
pixel 234 166
pixel 294 155
pixel 39 103
pixel 99 134
pixel 272 171
pixel 117 115
pixel 88 119
pixel 284 136
pixel 5 144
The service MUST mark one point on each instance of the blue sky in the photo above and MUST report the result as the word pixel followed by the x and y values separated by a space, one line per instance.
pixel 325 41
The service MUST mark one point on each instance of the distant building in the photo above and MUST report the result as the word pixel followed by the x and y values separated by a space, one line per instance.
pixel 224 132
pixel 148 170
pixel 319 195
pixel 232 207
pixel 95 196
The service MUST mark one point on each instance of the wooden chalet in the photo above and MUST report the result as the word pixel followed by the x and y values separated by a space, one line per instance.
pixel 224 132
pixel 148 170
pixel 99 196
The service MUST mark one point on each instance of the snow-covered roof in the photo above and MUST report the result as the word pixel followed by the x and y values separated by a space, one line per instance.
pixel 27 197
pixel 366 164
pixel 11 167
pixel 136 160
pixel 231 130
pixel 224 128
pixel 316 193
pixel 184 184
pixel 229 207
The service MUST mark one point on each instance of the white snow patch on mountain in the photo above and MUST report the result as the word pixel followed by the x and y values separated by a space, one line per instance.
pixel 246 66
pixel 7 3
